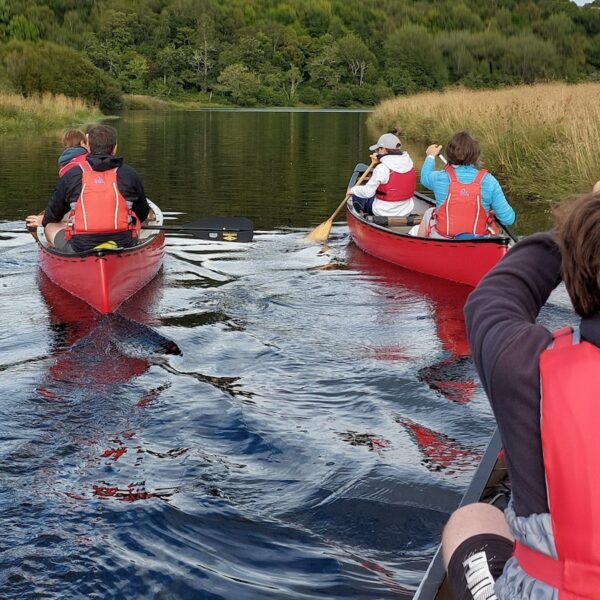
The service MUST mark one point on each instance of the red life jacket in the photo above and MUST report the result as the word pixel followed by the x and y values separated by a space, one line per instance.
pixel 100 208
pixel 570 422
pixel 74 162
pixel 400 187
pixel 462 210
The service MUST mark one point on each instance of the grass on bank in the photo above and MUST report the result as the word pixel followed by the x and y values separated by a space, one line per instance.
pixel 43 113
pixel 142 102
pixel 542 142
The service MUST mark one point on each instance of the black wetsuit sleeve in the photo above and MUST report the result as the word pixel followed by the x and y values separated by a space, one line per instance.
pixel 506 343
pixel 59 205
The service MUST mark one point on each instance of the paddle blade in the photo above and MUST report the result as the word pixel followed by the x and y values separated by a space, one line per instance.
pixel 232 223
pixel 321 232
pixel 220 229
pixel 224 235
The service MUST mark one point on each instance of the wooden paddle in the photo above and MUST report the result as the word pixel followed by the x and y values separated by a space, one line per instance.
pixel 321 232
pixel 504 227
pixel 227 229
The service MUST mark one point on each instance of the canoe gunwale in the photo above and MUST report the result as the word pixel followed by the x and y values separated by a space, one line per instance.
pixel 501 240
pixel 435 576
pixel 149 237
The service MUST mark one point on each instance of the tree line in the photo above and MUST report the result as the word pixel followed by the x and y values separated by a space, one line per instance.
pixel 275 53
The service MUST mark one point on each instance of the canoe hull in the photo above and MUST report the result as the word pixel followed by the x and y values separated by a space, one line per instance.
pixel 461 261
pixel 105 279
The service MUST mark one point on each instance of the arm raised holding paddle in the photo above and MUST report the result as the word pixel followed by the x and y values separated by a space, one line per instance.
pixel 322 231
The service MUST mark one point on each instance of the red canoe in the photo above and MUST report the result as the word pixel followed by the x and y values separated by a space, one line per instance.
pixel 105 278
pixel 463 261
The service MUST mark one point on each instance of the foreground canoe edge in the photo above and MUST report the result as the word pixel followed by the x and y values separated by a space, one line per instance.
pixel 105 278
pixel 490 471
pixel 462 261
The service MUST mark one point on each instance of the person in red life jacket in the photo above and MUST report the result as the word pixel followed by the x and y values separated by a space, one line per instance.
pixel 75 150
pixel 390 189
pixel 468 199
pixel 104 200
pixel 543 388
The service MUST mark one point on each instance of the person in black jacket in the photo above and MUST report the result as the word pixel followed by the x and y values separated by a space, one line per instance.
pixel 507 343
pixel 102 142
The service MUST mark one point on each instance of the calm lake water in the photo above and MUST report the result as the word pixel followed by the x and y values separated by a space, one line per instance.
pixel 323 419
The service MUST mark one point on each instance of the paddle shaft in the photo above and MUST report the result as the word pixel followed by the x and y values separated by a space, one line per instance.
pixel 360 180
pixel 506 229
pixel 211 228
pixel 184 229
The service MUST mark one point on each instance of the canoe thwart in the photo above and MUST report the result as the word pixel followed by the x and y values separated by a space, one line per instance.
pixel 408 221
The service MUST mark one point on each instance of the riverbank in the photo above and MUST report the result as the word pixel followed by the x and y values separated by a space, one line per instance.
pixel 43 113
pixel 542 142
pixel 142 102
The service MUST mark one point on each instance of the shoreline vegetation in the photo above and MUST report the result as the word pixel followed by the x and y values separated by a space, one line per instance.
pixel 542 141
pixel 45 112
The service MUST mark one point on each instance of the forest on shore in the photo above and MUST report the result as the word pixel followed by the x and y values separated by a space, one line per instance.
pixel 287 53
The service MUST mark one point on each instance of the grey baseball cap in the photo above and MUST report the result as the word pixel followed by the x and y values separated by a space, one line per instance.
pixel 387 140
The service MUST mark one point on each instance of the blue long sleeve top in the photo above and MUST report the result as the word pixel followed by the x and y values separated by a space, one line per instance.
pixel 492 196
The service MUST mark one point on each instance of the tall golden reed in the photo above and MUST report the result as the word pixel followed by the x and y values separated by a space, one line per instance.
pixel 39 113
pixel 541 141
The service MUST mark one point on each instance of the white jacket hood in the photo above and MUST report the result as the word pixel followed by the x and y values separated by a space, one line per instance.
pixel 400 163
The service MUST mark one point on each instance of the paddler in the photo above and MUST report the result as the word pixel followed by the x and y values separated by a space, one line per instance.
pixel 544 393
pixel 468 198
pixel 390 189
pixel 103 197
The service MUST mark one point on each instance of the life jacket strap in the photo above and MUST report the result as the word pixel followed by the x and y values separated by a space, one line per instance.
pixel 580 580
pixel 540 566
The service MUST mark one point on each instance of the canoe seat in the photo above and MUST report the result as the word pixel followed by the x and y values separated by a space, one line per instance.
pixel 407 221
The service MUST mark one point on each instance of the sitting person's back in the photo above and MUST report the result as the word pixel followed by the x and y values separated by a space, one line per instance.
pixel 389 191
pixel 104 198
pixel 468 199
pixel 75 151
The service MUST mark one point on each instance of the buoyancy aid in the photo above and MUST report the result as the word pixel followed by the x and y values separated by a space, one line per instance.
pixel 462 210
pixel 399 187
pixel 74 162
pixel 100 208
pixel 570 421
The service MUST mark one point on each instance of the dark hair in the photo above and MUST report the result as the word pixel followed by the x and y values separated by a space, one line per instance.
pixel 578 236
pixel 462 149
pixel 73 138
pixel 102 139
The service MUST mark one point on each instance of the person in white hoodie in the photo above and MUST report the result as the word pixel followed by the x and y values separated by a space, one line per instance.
pixel 390 189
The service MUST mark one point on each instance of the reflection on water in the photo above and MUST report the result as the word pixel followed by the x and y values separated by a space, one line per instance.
pixel 265 420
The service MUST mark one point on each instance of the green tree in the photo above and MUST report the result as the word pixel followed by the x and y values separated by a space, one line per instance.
pixel 240 84
pixel 21 28
pixel 324 68
pixel 410 51
pixel 353 52
pixel 35 68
